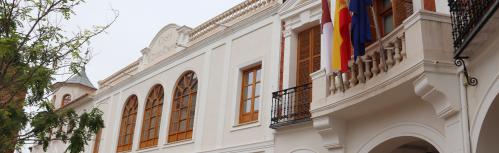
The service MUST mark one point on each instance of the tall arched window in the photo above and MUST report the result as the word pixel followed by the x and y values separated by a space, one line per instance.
pixel 127 126
pixel 66 99
pixel 152 117
pixel 183 108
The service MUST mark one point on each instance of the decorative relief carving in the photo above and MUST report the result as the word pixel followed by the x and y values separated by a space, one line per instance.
pixel 162 46
pixel 166 41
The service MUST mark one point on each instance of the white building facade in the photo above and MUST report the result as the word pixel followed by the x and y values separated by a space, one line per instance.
pixel 251 80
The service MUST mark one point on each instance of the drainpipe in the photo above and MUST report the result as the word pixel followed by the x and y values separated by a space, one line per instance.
pixel 464 113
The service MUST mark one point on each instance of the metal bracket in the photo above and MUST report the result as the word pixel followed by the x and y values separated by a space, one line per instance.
pixel 472 81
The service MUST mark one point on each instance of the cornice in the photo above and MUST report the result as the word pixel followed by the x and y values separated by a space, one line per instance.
pixel 188 51
pixel 243 148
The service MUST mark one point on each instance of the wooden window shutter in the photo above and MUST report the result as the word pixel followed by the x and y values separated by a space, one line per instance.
pixel 430 5
pixel 401 10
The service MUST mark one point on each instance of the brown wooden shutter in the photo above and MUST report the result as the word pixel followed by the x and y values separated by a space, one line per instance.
pixel 309 54
pixel 309 59
pixel 429 5
pixel 403 9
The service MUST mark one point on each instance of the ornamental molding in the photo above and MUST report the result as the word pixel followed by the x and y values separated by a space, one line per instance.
pixel 168 41
pixel 292 7
pixel 301 14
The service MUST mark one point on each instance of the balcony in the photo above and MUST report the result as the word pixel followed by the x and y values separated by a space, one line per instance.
pixel 468 18
pixel 291 106
pixel 420 48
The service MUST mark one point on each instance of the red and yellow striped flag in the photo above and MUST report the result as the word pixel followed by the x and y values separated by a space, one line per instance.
pixel 342 49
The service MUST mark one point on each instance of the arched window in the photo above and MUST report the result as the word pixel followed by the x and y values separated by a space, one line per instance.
pixel 152 117
pixel 127 126
pixel 183 107
pixel 66 99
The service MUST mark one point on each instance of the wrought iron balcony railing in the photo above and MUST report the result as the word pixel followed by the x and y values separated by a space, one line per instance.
pixel 291 106
pixel 468 16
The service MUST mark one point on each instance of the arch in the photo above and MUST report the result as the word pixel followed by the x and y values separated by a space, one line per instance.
pixel 66 99
pixel 152 117
pixel 484 109
pixel 183 107
pixel 301 150
pixel 405 144
pixel 489 135
pixel 127 126
pixel 410 129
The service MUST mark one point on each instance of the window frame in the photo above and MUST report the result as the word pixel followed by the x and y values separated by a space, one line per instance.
pixel 381 12
pixel 155 93
pixel 177 99
pixel 131 108
pixel 65 100
pixel 253 115
pixel 97 142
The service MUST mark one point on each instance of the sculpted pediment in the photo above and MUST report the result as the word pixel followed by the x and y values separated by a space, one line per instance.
pixel 169 40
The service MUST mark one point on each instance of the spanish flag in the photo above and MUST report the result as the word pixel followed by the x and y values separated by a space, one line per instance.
pixel 342 49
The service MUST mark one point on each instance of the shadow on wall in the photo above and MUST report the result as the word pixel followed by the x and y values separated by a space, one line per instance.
pixel 406 144
pixel 489 134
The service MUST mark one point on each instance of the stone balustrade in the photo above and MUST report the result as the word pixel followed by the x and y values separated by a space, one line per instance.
pixel 370 65
pixel 231 16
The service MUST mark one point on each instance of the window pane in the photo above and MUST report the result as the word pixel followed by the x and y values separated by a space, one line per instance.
pixel 247 106
pixel 387 3
pixel 126 139
pixel 147 114
pixel 153 122
pixel 151 134
pixel 129 129
pixel 146 124
pixel 257 104
pixel 173 128
pixel 258 74
pixel 174 116
pixel 154 111
pixel 183 114
pixel 388 23
pixel 192 112
pixel 193 97
pixel 247 92
pixel 257 89
pixel 178 93
pixel 185 101
pixel 182 125
pixel 144 136
pixel 191 123
pixel 194 85
pixel 177 103
pixel 249 78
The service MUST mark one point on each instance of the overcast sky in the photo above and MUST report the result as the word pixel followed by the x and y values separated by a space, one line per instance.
pixel 136 26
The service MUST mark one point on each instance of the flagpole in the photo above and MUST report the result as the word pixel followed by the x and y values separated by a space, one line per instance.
pixel 380 42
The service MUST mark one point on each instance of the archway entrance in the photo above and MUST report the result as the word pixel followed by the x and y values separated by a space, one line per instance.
pixel 406 144
pixel 489 133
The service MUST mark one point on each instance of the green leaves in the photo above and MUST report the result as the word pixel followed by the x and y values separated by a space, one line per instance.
pixel 34 49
